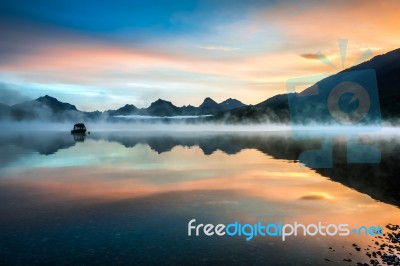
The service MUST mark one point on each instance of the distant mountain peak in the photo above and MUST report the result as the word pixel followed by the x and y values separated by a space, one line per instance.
pixel 230 104
pixel 208 102
pixel 128 107
pixel 208 99
pixel 161 102
pixel 46 98
pixel 232 101
pixel 163 108
pixel 55 104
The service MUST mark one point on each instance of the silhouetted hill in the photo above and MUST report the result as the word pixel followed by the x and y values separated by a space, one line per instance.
pixel 128 109
pixel 45 108
pixel 276 109
pixel 387 67
pixel 230 104
pixel 55 105
pixel 162 108
pixel 209 106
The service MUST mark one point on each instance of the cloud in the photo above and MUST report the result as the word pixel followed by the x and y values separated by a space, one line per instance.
pixel 10 95
pixel 320 57
pixel 312 56
pixel 313 197
pixel 316 196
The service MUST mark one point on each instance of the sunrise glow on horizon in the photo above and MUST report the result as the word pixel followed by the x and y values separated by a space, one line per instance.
pixel 103 55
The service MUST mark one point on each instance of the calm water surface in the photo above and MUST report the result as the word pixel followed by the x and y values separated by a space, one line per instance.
pixel 126 198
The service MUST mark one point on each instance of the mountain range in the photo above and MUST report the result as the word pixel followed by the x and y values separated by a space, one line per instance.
pixel 382 73
pixel 50 108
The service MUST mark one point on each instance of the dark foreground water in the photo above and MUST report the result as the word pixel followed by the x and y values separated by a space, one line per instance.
pixel 127 197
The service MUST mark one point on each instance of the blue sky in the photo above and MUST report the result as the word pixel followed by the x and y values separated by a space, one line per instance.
pixel 105 54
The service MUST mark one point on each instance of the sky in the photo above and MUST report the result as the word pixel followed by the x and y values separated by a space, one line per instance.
pixel 103 54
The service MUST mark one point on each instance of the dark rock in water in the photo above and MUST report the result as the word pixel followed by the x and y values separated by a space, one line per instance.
pixel 392 227
pixel 327 259
pixel 390 259
pixel 384 252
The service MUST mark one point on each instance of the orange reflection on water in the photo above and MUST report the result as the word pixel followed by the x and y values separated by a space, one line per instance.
pixel 248 186
pixel 139 172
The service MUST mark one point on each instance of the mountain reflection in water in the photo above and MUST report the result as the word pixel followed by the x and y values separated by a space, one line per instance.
pixel 380 181
pixel 126 197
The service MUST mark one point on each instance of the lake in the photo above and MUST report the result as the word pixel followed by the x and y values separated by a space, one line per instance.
pixel 127 197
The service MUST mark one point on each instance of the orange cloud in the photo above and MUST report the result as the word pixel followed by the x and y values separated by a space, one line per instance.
pixel 311 56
